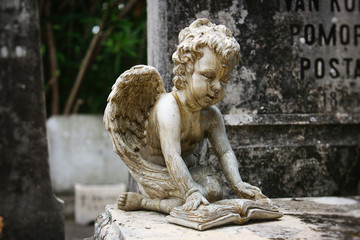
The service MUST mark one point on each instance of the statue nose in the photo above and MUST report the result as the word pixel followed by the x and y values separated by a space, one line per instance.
pixel 216 87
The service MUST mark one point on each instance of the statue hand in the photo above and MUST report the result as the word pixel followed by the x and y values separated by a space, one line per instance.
pixel 248 191
pixel 194 201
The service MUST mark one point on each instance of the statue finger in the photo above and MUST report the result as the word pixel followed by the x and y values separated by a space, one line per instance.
pixel 187 206
pixel 196 204
pixel 254 188
pixel 205 201
pixel 247 193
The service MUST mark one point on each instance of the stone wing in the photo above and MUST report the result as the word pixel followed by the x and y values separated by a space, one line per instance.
pixel 129 104
pixel 126 117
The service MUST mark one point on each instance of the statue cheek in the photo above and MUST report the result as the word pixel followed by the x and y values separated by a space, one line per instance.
pixel 201 86
pixel 221 95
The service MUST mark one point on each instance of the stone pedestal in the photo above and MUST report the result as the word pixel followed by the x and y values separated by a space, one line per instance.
pixel 305 218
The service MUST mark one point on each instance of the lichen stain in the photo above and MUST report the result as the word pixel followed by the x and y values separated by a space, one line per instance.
pixel 4 52
pixel 20 52
pixel 334 226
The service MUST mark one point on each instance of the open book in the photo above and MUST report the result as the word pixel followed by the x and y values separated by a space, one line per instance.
pixel 236 211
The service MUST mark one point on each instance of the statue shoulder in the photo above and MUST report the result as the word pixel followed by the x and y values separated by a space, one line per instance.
pixel 166 108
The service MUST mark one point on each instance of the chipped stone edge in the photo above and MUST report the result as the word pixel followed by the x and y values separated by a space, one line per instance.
pixel 290 119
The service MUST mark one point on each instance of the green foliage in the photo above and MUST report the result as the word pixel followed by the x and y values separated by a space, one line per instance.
pixel 72 24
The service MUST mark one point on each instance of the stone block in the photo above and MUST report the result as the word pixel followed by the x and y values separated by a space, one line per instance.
pixel 288 157
pixel 305 218
pixel 292 106
pixel 90 200
pixel 81 152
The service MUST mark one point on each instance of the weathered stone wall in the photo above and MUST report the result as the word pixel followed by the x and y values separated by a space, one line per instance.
pixel 293 105
pixel 27 205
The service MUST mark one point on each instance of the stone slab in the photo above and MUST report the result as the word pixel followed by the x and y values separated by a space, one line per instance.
pixel 305 218
pixel 90 200
pixel 81 152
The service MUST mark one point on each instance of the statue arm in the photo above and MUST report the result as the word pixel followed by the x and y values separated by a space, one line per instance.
pixel 222 147
pixel 228 161
pixel 169 128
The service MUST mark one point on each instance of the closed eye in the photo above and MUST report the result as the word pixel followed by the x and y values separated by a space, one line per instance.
pixel 208 74
pixel 223 82
pixel 207 77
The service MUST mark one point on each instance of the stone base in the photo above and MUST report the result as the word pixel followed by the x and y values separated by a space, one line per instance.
pixel 305 218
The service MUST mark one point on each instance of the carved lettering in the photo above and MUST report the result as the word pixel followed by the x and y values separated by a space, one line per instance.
pixel 344 34
pixel 309 34
pixel 327 37
pixel 288 4
pixel 299 5
pixel 314 5
pixel 347 64
pixel 356 34
pixel 319 68
pixel 304 66
pixel 294 30
pixel 347 67
pixel 347 5
pixel 334 4
pixel 357 69
pixel 312 34
pixel 316 40
pixel 334 72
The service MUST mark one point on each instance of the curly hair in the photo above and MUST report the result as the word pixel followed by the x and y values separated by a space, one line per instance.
pixel 202 33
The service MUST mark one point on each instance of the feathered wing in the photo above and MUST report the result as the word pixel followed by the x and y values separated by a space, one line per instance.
pixel 126 117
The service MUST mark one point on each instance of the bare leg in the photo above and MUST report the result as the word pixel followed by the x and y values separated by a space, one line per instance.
pixel 130 201
pixel 210 186
pixel 166 205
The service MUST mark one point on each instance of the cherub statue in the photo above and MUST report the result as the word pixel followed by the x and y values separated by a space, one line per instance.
pixel 162 137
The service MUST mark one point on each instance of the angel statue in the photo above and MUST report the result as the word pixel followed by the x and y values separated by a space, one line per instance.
pixel 162 137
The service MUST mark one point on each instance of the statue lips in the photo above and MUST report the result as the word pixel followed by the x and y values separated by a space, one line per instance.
pixel 213 98
pixel 210 99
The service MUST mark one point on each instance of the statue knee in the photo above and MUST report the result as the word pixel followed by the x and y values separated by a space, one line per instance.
pixel 205 177
pixel 213 189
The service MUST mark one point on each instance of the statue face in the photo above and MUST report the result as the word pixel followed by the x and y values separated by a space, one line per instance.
pixel 206 84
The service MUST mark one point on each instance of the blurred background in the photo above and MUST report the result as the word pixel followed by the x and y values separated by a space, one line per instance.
pixel 85 46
